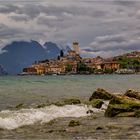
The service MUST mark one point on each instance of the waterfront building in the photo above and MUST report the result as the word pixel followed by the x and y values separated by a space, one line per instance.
pixel 30 70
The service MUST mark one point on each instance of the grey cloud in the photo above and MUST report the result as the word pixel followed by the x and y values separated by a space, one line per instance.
pixel 34 10
pixel 115 42
pixel 128 3
pixel 8 8
pixel 111 38
pixel 19 18
pixel 7 32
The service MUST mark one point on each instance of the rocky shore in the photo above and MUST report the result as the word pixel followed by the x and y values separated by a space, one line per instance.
pixel 118 117
pixel 125 105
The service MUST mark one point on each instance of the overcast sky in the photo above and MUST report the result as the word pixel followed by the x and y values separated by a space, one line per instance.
pixel 102 27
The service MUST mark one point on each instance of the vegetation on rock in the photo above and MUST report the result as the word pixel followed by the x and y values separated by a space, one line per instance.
pixel 122 105
pixel 101 94
pixel 72 101
pixel 97 103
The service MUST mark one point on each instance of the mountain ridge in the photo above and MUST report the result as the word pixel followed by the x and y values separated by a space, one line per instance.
pixel 20 54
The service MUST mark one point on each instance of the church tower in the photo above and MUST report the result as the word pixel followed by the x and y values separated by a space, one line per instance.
pixel 76 47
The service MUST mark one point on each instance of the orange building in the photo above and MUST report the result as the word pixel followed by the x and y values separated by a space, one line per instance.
pixel 111 65
pixel 30 70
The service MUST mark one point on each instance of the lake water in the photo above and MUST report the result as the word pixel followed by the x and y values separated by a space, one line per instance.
pixel 32 123
pixel 36 89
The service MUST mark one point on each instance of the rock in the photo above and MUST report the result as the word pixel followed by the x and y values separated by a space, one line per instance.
pixel 41 106
pixel 20 106
pixel 133 94
pixel 97 103
pixel 101 94
pixel 50 131
pixel 68 102
pixel 99 128
pixel 51 122
pixel 74 123
pixel 122 104
pixel 59 103
pixel 90 112
pixel 72 101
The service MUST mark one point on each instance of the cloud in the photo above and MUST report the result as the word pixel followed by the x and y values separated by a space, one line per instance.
pixel 8 8
pixel 19 18
pixel 126 41
pixel 101 27
pixel 128 3
pixel 111 45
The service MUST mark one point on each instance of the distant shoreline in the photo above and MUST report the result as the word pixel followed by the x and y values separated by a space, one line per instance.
pixel 72 74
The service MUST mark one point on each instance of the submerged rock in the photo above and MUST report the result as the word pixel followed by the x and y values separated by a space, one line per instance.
pixel 74 123
pixel 133 94
pixel 122 106
pixel 41 106
pixel 101 94
pixel 20 106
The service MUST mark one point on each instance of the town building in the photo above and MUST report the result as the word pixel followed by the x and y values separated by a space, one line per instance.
pixel 114 65
pixel 30 71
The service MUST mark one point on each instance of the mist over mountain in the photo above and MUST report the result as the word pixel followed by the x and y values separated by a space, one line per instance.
pixel 20 54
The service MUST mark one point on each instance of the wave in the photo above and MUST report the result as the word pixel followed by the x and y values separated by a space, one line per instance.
pixel 14 119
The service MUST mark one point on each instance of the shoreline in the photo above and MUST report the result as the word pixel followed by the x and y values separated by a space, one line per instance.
pixel 72 74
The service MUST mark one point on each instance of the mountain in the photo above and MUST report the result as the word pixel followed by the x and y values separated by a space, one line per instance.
pixel 51 49
pixel 64 48
pixel 20 54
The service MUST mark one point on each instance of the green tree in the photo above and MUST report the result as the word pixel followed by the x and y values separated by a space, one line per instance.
pixel 109 71
pixel 130 63
pixel 81 67
pixel 68 68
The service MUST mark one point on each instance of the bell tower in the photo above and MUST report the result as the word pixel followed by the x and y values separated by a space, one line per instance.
pixel 76 47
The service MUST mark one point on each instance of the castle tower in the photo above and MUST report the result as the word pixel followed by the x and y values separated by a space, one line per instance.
pixel 76 47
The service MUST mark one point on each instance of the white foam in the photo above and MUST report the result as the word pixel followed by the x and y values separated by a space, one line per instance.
pixel 105 105
pixel 15 119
